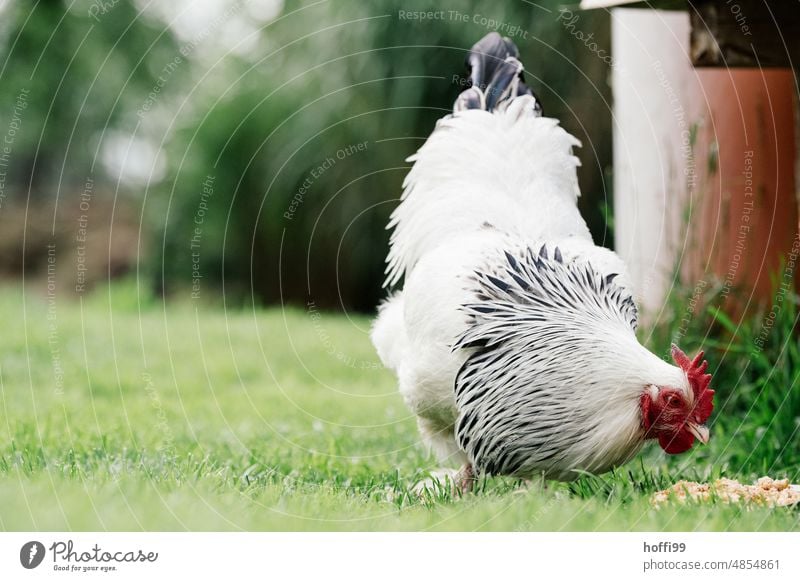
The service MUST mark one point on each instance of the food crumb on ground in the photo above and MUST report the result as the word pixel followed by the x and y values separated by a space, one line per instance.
pixel 765 492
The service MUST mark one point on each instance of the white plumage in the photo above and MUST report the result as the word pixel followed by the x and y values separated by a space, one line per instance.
pixel 501 373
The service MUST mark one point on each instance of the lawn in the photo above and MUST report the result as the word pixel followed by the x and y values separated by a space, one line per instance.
pixel 120 416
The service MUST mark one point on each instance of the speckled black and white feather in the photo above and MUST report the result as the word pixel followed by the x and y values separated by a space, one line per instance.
pixel 535 316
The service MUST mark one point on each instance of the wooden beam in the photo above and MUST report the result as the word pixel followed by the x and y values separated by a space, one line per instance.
pixel 797 156
pixel 657 4
pixel 745 33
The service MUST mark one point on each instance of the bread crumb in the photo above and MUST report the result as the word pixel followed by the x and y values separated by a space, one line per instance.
pixel 765 492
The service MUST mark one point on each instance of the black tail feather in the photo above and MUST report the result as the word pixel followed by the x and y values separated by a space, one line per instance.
pixel 495 75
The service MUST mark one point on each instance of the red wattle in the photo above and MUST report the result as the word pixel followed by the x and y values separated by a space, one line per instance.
pixel 676 442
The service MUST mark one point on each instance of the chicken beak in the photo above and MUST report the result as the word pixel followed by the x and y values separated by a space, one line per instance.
pixel 699 431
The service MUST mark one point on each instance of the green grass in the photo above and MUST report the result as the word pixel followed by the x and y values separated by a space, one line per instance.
pixel 188 417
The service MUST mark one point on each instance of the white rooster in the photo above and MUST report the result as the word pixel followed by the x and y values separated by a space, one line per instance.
pixel 513 338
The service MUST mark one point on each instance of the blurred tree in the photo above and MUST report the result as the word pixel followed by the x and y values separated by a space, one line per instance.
pixel 290 226
pixel 265 141
pixel 83 72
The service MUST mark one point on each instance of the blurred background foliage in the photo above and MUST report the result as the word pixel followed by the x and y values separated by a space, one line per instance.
pixel 190 139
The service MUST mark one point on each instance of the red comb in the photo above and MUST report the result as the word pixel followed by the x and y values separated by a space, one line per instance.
pixel 695 370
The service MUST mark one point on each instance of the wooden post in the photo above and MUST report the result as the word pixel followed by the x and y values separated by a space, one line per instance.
pixel 745 33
